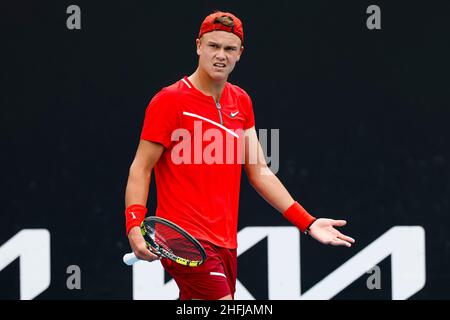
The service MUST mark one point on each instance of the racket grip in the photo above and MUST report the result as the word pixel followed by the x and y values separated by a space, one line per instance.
pixel 130 258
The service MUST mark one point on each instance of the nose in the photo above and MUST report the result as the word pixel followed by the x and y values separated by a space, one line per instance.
pixel 221 55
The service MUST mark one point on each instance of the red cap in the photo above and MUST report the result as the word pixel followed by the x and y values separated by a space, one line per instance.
pixel 210 24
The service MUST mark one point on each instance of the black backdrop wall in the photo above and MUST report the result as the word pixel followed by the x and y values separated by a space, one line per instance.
pixel 363 119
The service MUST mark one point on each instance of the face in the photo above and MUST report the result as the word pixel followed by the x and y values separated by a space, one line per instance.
pixel 218 53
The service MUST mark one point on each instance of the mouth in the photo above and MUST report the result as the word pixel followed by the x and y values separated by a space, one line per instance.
pixel 219 65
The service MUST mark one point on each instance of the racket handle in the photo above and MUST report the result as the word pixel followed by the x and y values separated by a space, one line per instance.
pixel 130 258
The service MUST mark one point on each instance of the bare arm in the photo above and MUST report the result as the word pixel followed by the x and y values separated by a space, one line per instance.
pixel 274 192
pixel 147 155
pixel 261 177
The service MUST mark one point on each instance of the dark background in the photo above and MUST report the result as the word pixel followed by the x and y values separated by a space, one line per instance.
pixel 362 116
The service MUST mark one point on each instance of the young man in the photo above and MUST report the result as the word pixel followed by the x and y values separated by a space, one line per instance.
pixel 198 189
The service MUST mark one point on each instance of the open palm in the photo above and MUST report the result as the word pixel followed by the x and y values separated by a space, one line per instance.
pixel 323 231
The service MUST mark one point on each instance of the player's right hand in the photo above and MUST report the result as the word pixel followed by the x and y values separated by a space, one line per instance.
pixel 139 246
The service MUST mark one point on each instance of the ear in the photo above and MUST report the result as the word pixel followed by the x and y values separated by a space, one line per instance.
pixel 240 53
pixel 198 43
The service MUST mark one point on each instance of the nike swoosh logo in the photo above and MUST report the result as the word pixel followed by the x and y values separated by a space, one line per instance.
pixel 233 114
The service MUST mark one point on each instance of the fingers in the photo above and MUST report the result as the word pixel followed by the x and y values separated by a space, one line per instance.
pixel 339 223
pixel 340 242
pixel 346 238
pixel 153 250
pixel 146 254
pixel 342 239
pixel 140 248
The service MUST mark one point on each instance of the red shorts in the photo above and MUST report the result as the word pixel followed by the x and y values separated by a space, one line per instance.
pixel 212 280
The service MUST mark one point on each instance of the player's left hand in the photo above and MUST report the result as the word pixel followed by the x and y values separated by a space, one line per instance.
pixel 323 231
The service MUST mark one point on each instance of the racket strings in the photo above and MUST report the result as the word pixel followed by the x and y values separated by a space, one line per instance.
pixel 174 242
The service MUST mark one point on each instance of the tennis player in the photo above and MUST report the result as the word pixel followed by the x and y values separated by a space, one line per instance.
pixel 198 188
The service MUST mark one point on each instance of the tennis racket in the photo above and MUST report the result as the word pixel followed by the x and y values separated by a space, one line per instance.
pixel 170 241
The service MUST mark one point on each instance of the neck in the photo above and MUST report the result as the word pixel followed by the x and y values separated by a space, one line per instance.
pixel 206 85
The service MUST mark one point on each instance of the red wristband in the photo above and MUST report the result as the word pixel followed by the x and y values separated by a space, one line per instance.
pixel 298 216
pixel 134 215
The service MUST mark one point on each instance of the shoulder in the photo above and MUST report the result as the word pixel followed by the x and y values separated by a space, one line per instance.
pixel 169 93
pixel 241 96
pixel 166 101
pixel 241 93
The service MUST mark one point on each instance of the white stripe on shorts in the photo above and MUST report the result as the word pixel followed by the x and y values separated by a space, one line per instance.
pixel 217 274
